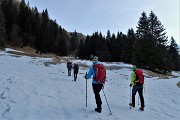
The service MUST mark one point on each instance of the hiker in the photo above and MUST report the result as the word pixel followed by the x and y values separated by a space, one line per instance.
pixel 69 66
pixel 96 85
pixel 137 86
pixel 76 68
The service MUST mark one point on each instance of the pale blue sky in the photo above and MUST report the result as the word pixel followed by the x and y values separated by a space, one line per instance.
pixel 88 16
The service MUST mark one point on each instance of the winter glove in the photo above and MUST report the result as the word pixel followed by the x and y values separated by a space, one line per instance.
pixel 130 85
pixel 85 76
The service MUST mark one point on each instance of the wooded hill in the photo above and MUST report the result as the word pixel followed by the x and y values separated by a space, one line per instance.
pixel 147 47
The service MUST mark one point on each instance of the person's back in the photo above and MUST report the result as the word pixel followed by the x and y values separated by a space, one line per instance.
pixel 69 66
pixel 76 68
pixel 137 80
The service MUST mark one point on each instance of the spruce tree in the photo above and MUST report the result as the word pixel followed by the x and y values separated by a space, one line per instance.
pixel 159 38
pixel 45 46
pixel 2 30
pixel 141 44
pixel 150 49
pixel 74 42
pixel 87 46
pixel 173 51
pixel 10 14
pixel 129 45
pixel 81 50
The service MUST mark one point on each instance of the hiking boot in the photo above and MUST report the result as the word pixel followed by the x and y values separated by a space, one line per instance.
pixel 98 110
pixel 131 104
pixel 141 108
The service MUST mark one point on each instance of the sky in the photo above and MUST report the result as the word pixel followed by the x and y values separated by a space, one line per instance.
pixel 89 16
pixel 45 92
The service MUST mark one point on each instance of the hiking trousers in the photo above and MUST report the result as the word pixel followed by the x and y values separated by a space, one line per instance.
pixel 96 89
pixel 139 89
pixel 69 71
pixel 75 74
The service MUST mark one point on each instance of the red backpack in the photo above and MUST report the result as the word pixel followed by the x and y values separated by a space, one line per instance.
pixel 139 77
pixel 100 73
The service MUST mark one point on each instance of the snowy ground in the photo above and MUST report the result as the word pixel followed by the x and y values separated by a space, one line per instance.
pixel 31 91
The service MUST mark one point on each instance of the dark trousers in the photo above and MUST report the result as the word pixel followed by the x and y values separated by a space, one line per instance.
pixel 97 88
pixel 69 72
pixel 75 74
pixel 140 91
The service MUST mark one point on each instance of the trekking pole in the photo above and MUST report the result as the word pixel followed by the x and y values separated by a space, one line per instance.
pixel 86 89
pixel 130 97
pixel 72 78
pixel 144 88
pixel 107 102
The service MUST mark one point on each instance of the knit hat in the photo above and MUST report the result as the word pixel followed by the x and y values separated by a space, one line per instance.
pixel 134 68
pixel 95 59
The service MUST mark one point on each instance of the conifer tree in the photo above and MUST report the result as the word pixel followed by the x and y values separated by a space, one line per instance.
pixel 150 49
pixel 10 14
pixel 45 46
pixel 87 46
pixel 158 37
pixel 81 50
pixel 129 46
pixel 140 48
pixel 74 42
pixel 2 30
pixel 173 51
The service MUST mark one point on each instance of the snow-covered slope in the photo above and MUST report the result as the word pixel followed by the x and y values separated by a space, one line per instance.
pixel 31 91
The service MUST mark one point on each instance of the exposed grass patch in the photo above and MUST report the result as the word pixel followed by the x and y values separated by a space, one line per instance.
pixel 178 84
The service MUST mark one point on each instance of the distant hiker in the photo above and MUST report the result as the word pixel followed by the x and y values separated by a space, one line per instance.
pixel 69 66
pixel 76 68
pixel 99 76
pixel 137 81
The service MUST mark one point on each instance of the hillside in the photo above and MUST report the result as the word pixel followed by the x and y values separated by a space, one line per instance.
pixel 32 88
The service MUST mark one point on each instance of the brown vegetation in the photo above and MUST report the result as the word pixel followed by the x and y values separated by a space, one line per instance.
pixel 28 51
pixel 178 84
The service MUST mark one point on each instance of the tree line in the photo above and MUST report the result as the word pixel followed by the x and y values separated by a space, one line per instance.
pixel 147 47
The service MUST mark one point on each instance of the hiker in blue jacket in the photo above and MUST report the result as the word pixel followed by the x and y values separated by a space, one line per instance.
pixel 96 86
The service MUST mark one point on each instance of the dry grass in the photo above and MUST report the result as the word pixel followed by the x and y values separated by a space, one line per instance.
pixel 154 74
pixel 28 51
pixel 178 84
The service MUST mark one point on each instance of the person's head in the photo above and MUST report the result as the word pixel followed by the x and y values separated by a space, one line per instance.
pixel 95 59
pixel 134 68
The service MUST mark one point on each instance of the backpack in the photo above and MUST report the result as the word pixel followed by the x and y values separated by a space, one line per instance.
pixel 100 73
pixel 69 65
pixel 139 77
pixel 76 67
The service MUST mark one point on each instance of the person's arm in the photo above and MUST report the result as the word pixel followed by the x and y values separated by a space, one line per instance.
pixel 133 78
pixel 90 73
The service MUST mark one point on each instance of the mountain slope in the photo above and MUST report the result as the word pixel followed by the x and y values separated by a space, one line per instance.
pixel 32 91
